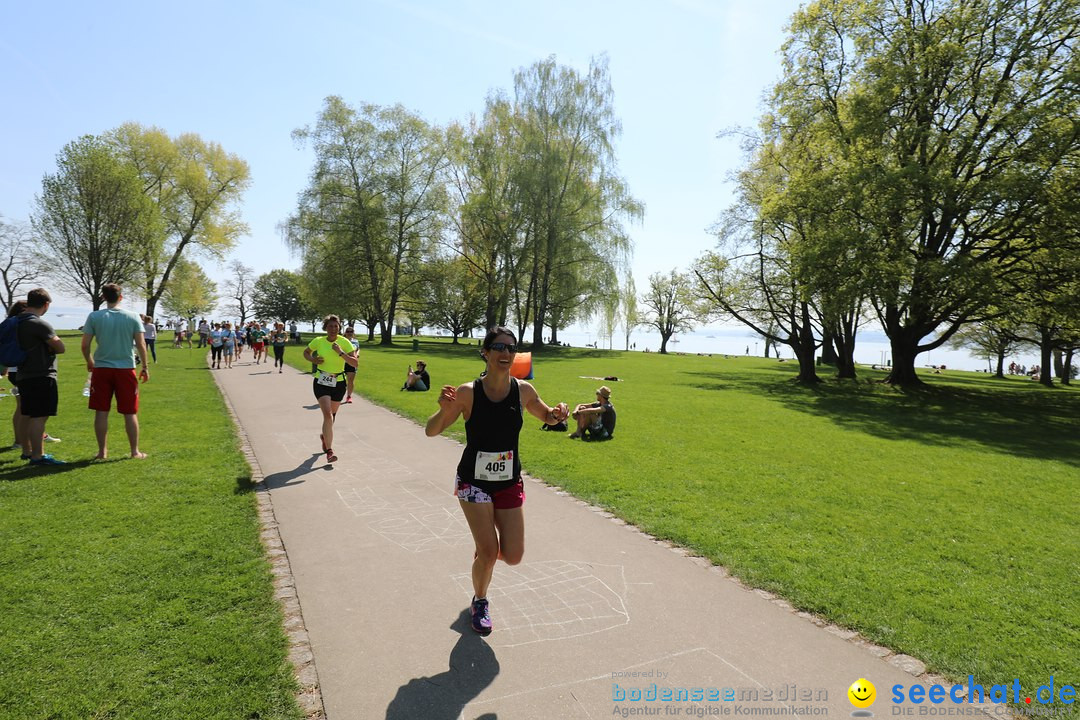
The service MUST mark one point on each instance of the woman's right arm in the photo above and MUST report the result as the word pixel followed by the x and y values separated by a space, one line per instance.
pixel 452 403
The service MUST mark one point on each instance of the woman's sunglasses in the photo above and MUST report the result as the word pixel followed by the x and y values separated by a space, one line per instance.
pixel 500 346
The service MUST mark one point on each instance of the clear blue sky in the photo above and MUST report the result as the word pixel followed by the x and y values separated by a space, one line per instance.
pixel 245 74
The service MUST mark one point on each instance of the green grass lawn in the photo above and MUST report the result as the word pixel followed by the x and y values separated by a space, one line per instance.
pixel 136 589
pixel 941 523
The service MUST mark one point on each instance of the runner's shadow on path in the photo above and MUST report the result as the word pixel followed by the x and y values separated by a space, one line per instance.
pixel 293 477
pixel 473 666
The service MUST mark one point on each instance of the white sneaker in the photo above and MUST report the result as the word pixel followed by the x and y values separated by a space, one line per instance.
pixel 50 438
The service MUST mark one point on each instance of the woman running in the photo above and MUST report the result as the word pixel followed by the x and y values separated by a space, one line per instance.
pixel 350 372
pixel 330 355
pixel 278 339
pixel 488 482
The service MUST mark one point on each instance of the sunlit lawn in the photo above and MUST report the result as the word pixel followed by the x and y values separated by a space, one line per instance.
pixel 941 523
pixel 136 589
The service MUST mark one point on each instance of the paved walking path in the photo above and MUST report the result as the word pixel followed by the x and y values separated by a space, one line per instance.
pixel 381 556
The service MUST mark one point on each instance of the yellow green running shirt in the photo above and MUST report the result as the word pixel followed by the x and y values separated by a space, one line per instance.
pixel 331 362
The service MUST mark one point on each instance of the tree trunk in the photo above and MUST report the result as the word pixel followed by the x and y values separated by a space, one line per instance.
pixel 1059 366
pixel 1046 378
pixel 829 353
pixel 845 361
pixel 903 359
pixel 806 353
pixel 1000 374
pixel 1066 369
pixel 663 342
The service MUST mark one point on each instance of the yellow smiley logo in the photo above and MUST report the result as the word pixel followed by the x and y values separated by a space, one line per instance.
pixel 862 693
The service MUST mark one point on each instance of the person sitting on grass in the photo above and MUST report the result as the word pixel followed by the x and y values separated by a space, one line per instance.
pixel 597 420
pixel 418 381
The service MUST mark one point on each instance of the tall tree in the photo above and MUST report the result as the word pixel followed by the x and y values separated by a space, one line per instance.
pixel 196 186
pixel 92 219
pixel 453 298
pixel 571 194
pixel 950 119
pixel 670 305
pixel 416 201
pixel 238 284
pixel 376 194
pixel 486 202
pixel 19 266
pixel 277 296
pixel 628 309
pixel 191 293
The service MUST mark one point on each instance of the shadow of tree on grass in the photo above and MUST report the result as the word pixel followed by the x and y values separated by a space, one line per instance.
pixel 1023 421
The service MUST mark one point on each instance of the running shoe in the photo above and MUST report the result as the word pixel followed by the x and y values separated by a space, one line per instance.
pixel 348 401
pixel 481 617
pixel 49 438
pixel 330 456
pixel 47 460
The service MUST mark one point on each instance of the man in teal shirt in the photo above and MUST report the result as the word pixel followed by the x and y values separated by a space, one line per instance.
pixel 119 335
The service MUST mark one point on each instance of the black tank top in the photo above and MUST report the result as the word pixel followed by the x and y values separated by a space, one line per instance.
pixel 491 427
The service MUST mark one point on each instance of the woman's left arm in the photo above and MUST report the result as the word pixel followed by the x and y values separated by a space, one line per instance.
pixel 539 409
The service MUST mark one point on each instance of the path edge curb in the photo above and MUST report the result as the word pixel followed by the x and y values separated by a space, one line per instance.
pixel 309 698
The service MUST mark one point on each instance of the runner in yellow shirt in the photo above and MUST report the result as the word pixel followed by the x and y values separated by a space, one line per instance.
pixel 330 354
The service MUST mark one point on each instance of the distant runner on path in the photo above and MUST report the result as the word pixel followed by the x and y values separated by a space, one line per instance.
pixel 330 354
pixel 488 483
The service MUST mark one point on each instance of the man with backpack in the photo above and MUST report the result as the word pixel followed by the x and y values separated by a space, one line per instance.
pixel 37 371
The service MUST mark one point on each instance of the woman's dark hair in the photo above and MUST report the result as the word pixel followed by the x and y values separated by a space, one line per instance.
pixel 330 318
pixel 17 308
pixel 496 332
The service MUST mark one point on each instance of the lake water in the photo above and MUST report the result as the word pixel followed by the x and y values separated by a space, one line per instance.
pixel 872 347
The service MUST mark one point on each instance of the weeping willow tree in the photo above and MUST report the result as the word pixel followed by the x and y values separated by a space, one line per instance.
pixel 572 198
pixel 374 205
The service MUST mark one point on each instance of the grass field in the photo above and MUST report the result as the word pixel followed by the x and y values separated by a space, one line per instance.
pixel 136 589
pixel 941 523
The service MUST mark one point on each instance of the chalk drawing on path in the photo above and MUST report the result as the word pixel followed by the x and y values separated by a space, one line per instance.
pixel 405 498
pixel 424 530
pixel 553 600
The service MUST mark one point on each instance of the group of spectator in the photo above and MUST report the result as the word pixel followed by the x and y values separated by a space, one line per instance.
pixel 188 330
pixel 1034 372
pixel 119 335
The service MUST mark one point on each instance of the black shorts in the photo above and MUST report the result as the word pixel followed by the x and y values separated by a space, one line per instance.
pixel 350 369
pixel 38 397
pixel 336 393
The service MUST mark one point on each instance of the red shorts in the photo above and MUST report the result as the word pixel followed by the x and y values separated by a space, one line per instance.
pixel 508 498
pixel 257 346
pixel 122 382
